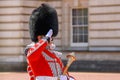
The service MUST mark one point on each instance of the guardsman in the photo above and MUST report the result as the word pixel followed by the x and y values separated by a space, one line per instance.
pixel 44 63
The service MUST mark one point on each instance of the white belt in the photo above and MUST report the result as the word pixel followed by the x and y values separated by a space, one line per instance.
pixel 46 78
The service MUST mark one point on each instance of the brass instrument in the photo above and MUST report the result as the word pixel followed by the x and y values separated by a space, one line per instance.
pixel 71 58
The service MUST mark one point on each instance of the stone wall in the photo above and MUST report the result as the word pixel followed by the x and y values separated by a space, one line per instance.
pixel 12 27
pixel 104 21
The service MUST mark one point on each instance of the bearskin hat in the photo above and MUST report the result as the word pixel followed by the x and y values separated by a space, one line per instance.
pixel 42 19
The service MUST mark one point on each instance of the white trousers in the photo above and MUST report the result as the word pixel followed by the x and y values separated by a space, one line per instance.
pixel 46 78
pixel 62 77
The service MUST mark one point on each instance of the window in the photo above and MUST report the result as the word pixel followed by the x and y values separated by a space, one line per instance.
pixel 79 36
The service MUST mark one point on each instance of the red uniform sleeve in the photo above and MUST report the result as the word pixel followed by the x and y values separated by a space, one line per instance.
pixel 40 46
pixel 35 58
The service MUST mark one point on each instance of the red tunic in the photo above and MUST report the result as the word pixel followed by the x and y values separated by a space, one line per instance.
pixel 39 62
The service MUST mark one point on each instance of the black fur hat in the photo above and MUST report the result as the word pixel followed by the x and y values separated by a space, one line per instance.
pixel 42 19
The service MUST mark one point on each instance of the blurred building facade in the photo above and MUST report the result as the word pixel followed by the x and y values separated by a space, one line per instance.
pixel 90 28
